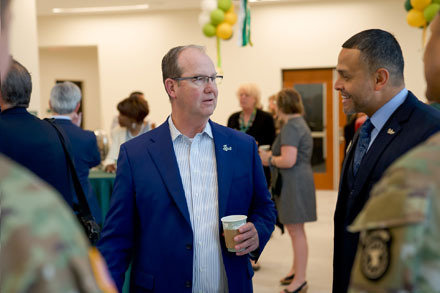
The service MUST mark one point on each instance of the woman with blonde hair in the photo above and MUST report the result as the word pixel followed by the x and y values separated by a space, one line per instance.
pixel 292 182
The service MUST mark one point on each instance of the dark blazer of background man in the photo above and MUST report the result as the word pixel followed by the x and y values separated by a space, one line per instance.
pixel 150 220
pixel 27 139
pixel 370 80
pixel 65 101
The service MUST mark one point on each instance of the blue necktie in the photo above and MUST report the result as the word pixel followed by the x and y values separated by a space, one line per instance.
pixel 362 145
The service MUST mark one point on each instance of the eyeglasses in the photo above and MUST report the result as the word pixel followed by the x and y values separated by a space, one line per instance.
pixel 201 80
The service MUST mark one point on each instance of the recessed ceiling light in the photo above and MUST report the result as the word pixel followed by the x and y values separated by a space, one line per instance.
pixel 100 9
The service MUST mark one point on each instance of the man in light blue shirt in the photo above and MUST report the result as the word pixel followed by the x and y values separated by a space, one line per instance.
pixel 174 184
pixel 370 80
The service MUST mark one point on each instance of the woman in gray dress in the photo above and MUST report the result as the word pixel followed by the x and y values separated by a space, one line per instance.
pixel 292 182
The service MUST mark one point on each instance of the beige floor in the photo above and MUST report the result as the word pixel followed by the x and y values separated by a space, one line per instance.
pixel 277 257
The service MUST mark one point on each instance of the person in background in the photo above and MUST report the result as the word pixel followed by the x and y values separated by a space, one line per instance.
pixel 43 249
pixel 370 79
pixel 174 184
pixel 132 112
pixel 272 107
pixel 64 102
pixel 398 249
pixel 253 121
pixel 28 140
pixel 293 185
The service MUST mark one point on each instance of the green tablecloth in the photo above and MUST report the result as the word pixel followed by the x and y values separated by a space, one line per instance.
pixel 102 184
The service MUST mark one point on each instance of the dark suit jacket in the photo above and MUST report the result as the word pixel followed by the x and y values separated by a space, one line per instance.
pixel 35 144
pixel 86 155
pixel 411 123
pixel 148 221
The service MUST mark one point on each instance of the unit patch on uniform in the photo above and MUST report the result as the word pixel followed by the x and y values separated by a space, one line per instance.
pixel 375 257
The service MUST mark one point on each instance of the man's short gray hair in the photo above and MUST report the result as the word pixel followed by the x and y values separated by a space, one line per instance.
pixel 64 97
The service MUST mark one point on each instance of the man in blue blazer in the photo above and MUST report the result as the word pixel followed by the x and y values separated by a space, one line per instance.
pixel 370 80
pixel 174 183
pixel 27 139
pixel 65 102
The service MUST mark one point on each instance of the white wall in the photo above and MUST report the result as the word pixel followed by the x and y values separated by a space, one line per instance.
pixel 24 44
pixel 285 36
pixel 76 64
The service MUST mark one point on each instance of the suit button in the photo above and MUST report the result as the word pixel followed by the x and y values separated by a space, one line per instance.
pixel 189 246
pixel 188 284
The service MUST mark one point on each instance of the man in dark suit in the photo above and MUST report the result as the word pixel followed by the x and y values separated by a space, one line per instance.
pixel 65 101
pixel 370 80
pixel 27 139
pixel 174 183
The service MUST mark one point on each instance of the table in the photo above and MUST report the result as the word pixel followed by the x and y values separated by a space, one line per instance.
pixel 102 184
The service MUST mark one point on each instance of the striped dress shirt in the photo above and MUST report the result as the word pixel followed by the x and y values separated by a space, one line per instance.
pixel 198 170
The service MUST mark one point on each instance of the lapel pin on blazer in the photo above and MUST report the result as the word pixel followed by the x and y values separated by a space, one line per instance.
pixel 226 148
pixel 390 131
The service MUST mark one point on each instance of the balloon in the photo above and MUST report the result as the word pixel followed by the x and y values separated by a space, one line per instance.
pixel 224 4
pixel 430 11
pixel 408 5
pixel 209 30
pixel 209 5
pixel 420 4
pixel 217 16
pixel 231 9
pixel 415 18
pixel 204 18
pixel 224 30
pixel 231 18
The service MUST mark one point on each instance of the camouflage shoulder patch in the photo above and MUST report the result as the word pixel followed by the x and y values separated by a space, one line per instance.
pixel 375 254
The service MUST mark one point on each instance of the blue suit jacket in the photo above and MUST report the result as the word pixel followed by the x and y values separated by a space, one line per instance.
pixel 35 144
pixel 412 123
pixel 148 221
pixel 86 155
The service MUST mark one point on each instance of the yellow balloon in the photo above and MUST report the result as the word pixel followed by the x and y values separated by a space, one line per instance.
pixel 415 18
pixel 224 31
pixel 231 9
pixel 230 17
pixel 420 4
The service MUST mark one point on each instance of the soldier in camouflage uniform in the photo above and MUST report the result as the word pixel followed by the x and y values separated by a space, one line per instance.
pixel 399 247
pixel 43 248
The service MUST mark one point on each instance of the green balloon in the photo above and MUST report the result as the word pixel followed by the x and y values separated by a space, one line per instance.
pixel 430 11
pixel 209 30
pixel 224 4
pixel 217 16
pixel 408 5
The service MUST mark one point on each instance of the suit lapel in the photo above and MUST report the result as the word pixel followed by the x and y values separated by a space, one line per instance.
pixel 162 153
pixel 389 131
pixel 225 151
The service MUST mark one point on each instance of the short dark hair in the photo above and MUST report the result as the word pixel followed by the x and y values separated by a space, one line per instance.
pixel 289 101
pixel 379 49
pixel 134 107
pixel 16 88
pixel 137 94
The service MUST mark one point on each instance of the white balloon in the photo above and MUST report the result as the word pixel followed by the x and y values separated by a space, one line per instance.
pixel 209 5
pixel 204 18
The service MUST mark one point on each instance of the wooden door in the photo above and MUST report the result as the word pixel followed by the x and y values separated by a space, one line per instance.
pixel 316 89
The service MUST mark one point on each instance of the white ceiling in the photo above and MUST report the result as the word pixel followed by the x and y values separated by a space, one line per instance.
pixel 44 7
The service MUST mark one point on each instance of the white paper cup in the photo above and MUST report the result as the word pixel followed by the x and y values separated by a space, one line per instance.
pixel 230 228
pixel 264 147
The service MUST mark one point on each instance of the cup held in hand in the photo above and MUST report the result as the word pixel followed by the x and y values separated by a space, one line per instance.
pixel 230 228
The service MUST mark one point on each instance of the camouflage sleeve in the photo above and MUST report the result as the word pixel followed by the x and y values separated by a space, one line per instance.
pixel 399 227
pixel 43 249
